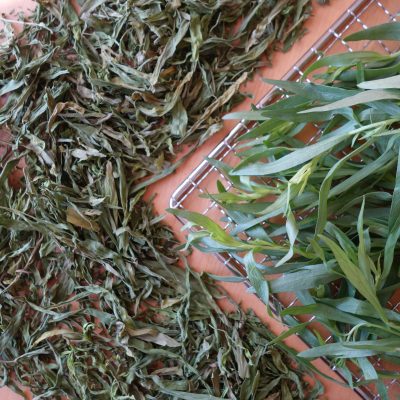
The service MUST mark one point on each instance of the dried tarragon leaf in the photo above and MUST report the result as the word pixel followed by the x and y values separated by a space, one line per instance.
pixel 88 321
pixel 93 305
pixel 140 76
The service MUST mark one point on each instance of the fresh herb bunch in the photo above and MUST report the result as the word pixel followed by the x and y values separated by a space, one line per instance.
pixel 93 305
pixel 327 213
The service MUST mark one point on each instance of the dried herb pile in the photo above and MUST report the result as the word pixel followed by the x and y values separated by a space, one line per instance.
pixel 136 77
pixel 327 213
pixel 92 303
pixel 70 327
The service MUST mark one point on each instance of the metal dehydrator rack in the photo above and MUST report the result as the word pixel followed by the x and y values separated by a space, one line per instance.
pixel 360 15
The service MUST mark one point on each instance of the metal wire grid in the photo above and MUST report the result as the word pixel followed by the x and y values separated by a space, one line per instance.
pixel 205 175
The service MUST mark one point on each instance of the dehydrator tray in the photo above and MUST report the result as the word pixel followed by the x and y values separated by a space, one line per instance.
pixel 362 14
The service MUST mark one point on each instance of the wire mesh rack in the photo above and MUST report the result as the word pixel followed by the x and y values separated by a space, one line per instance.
pixel 361 15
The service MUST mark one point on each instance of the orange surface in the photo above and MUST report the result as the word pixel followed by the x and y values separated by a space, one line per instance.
pixel 317 25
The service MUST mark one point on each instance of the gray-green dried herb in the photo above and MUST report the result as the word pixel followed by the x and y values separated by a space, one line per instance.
pixel 73 326
pixel 92 303
pixel 137 77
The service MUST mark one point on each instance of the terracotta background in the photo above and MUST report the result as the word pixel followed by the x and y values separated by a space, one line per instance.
pixel 321 20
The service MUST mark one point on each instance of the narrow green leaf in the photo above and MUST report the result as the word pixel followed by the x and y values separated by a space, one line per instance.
pixel 256 278
pixel 389 31
pixel 359 98
pixel 352 273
